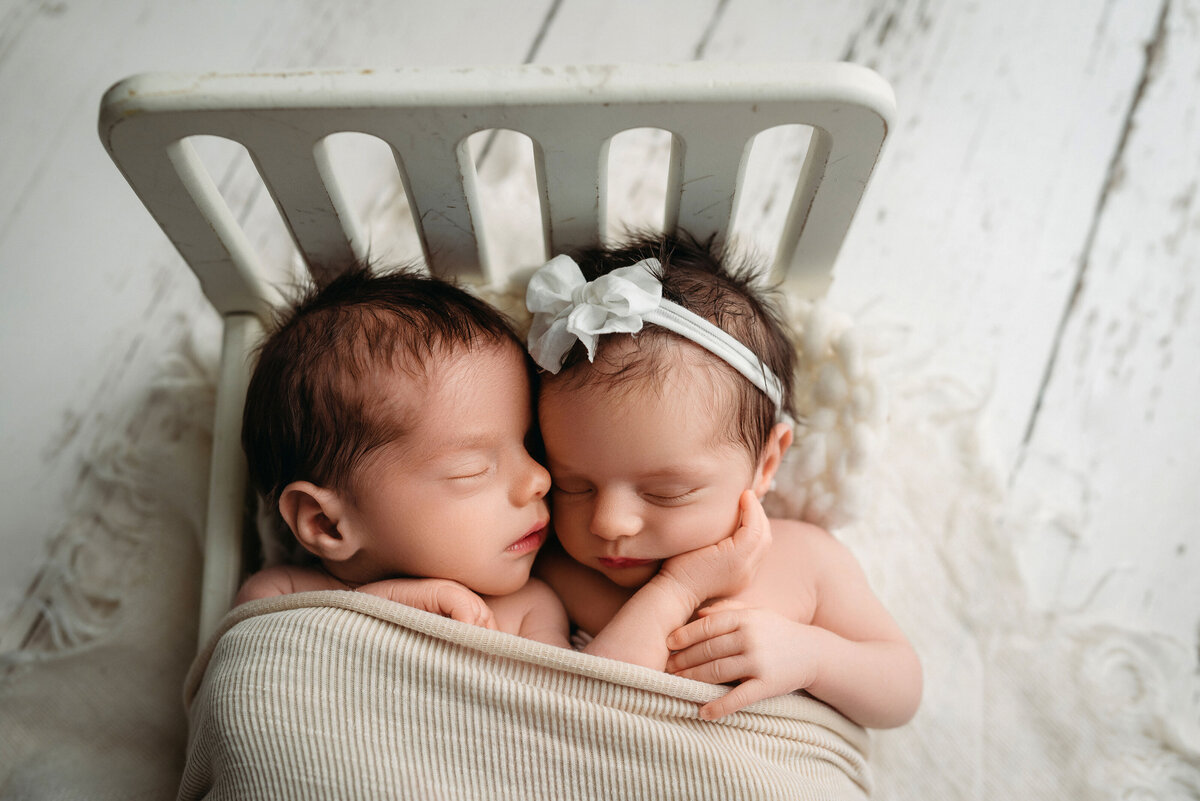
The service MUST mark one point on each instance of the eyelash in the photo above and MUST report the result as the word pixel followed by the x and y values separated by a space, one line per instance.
pixel 480 474
pixel 683 496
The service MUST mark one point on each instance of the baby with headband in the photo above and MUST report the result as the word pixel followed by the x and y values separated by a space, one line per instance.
pixel 665 409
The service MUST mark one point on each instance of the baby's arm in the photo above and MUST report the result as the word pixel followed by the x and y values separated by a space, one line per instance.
pixel 439 596
pixel 638 631
pixel 852 656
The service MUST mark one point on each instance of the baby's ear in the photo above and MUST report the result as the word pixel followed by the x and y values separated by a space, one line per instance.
pixel 314 515
pixel 778 441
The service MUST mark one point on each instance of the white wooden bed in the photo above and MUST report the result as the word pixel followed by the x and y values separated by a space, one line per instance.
pixel 713 113
pixel 1027 246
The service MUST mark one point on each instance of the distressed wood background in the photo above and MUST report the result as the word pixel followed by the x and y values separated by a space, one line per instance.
pixel 1031 225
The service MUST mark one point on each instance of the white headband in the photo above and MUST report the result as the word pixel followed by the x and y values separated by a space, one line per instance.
pixel 567 308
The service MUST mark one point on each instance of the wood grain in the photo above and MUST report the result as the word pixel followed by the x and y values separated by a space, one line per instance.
pixel 1115 441
pixel 1032 228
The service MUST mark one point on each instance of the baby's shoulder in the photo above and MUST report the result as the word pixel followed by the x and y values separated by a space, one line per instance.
pixel 534 611
pixel 536 590
pixel 800 537
pixel 813 550
pixel 534 593
pixel 810 548
pixel 282 580
pixel 789 575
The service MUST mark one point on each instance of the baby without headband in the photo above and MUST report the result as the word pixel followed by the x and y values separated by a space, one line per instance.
pixel 567 308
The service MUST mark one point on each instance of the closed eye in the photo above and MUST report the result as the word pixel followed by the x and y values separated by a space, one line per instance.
pixel 668 499
pixel 470 474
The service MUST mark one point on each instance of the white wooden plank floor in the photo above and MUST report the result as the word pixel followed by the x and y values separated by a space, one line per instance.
pixel 1032 221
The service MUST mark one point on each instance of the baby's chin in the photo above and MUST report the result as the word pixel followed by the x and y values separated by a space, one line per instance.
pixel 494 587
pixel 631 577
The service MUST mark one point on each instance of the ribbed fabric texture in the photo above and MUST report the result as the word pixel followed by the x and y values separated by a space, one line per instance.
pixel 340 695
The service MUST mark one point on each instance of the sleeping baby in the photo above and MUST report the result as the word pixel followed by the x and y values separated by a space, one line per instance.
pixel 665 411
pixel 388 419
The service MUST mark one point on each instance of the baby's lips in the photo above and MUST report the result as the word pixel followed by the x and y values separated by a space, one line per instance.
pixel 531 541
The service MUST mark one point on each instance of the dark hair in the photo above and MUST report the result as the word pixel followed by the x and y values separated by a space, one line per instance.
pixel 310 414
pixel 718 287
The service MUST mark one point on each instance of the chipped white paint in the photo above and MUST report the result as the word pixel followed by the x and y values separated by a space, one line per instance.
pixel 1117 436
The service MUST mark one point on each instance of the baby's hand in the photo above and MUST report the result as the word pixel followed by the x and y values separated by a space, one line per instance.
pixel 764 653
pixel 439 596
pixel 728 566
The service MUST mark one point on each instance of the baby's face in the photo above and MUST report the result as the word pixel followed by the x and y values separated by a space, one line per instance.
pixel 640 475
pixel 458 497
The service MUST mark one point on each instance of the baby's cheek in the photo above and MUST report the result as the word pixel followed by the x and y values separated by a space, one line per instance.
pixel 704 528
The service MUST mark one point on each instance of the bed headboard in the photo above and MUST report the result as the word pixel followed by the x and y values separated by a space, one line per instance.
pixel 712 112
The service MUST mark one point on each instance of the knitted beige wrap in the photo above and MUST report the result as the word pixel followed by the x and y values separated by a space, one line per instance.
pixel 343 695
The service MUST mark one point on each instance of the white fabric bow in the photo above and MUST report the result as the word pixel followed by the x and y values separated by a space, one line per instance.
pixel 567 308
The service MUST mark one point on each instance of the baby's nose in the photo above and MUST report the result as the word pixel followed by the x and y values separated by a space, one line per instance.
pixel 614 517
pixel 540 480
pixel 535 480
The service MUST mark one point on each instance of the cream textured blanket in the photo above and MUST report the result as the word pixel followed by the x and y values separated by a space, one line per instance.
pixel 344 695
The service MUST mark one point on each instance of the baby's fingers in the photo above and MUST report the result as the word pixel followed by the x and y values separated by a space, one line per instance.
pixel 726 670
pixel 740 696
pixel 473 611
pixel 487 619
pixel 700 661
pixel 754 528
pixel 710 625
pixel 721 605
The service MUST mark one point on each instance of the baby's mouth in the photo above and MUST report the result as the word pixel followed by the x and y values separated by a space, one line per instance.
pixel 530 542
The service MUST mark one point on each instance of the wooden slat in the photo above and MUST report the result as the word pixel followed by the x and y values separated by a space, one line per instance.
pixel 806 266
pixel 571 190
pixel 708 177
pixel 225 516
pixel 199 223
pixel 441 207
pixel 296 171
